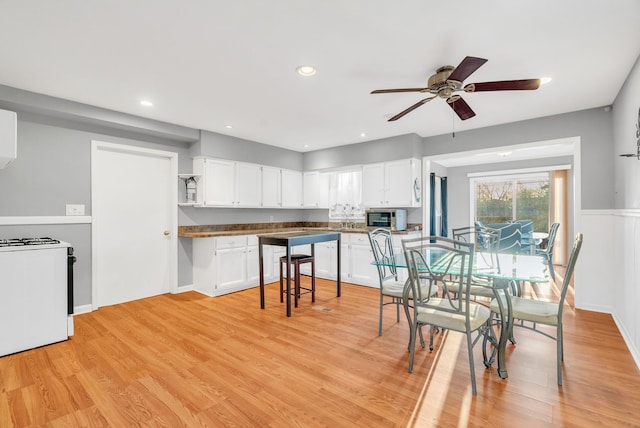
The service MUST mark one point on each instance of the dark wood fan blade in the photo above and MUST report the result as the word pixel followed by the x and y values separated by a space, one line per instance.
pixel 504 85
pixel 390 91
pixel 465 68
pixel 410 109
pixel 462 109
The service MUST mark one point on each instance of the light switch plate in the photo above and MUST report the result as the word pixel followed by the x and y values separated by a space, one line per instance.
pixel 75 209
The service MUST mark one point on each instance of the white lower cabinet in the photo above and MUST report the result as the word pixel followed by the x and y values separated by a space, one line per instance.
pixel 356 258
pixel 225 264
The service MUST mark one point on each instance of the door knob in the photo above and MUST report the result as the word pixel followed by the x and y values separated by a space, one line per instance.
pixel 167 233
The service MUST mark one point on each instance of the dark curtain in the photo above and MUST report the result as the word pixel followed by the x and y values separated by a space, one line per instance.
pixel 444 206
pixel 432 204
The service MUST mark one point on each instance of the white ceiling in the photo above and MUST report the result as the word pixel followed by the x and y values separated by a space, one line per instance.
pixel 208 64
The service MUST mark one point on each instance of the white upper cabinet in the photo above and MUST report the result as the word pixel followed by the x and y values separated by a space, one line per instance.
pixel 229 184
pixel 291 189
pixel 271 187
pixel 315 189
pixel 392 184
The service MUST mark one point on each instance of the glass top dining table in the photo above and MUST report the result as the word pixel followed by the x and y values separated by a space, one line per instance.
pixel 509 269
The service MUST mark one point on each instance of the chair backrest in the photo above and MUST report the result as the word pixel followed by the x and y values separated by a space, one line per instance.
pixel 510 237
pixel 553 231
pixel 573 257
pixel 486 240
pixel 382 246
pixel 435 262
pixel 526 231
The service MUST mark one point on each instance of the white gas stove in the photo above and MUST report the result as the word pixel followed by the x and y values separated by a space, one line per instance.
pixel 36 293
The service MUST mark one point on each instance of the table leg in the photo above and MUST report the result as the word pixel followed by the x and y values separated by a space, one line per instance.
pixel 313 273
pixel 261 268
pixel 505 331
pixel 288 280
pixel 338 286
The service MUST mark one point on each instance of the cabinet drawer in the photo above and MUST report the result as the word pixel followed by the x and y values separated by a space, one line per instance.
pixel 359 239
pixel 252 240
pixel 223 242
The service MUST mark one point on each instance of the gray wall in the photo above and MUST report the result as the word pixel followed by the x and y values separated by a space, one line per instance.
pixel 594 127
pixel 53 166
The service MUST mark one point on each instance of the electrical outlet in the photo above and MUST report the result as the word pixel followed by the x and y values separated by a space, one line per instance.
pixel 271 218
pixel 75 209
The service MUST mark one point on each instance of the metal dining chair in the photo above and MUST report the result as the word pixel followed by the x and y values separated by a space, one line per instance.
pixel 529 313
pixel 547 252
pixel 435 262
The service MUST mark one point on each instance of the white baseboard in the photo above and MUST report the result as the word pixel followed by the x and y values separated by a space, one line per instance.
pixel 635 353
pixel 183 288
pixel 77 310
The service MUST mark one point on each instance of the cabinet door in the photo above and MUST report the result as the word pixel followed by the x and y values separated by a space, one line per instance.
pixel 310 189
pixel 325 259
pixel 248 178
pixel 271 183
pixel 253 267
pixel 291 189
pixel 204 269
pixel 231 268
pixel 362 271
pixel 373 185
pixel 360 258
pixel 315 190
pixel 399 183
pixel 219 186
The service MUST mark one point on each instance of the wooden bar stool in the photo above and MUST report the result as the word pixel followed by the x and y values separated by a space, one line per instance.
pixel 296 261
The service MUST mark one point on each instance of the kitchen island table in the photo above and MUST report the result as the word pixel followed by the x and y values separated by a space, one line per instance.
pixel 292 239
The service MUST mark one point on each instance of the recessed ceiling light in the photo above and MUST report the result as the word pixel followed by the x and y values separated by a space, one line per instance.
pixel 362 134
pixel 504 154
pixel 146 103
pixel 305 146
pixel 228 126
pixel 545 80
pixel 306 70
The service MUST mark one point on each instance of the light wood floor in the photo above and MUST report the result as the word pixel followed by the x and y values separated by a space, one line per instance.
pixel 191 360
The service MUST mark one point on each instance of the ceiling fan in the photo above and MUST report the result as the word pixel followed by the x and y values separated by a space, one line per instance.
pixel 448 80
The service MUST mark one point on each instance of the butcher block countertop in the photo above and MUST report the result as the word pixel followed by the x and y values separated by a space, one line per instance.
pixel 213 230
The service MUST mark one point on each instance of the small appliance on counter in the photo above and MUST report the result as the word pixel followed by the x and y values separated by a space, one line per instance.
pixel 393 219
pixel 36 293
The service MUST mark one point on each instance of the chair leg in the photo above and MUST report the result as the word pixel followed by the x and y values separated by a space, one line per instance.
pixel 313 280
pixel 398 303
pixel 412 345
pixel 560 351
pixel 471 365
pixel 550 265
pixel 296 285
pixel 380 322
pixel 281 287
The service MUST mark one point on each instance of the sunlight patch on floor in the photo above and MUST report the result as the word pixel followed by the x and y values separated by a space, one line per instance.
pixel 435 390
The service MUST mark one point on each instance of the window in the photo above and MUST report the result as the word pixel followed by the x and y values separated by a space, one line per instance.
pixel 516 197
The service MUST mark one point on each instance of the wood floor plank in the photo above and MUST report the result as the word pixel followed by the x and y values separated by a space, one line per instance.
pixel 191 360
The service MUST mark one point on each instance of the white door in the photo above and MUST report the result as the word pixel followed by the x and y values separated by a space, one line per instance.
pixel 134 215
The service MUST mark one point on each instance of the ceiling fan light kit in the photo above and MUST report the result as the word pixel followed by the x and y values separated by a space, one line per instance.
pixel 448 80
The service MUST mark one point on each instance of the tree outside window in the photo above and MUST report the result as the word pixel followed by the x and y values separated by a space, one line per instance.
pixel 526 197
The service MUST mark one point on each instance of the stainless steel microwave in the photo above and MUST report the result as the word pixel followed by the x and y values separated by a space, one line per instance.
pixel 392 219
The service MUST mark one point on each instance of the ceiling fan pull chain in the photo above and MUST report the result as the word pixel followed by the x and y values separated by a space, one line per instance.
pixel 453 124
